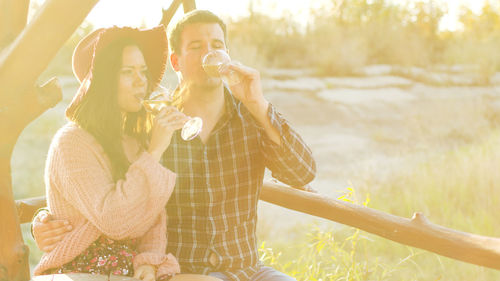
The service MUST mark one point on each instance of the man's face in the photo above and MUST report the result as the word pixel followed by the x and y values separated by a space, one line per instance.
pixel 196 40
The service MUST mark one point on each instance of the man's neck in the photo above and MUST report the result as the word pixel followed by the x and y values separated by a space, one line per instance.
pixel 200 101
pixel 207 104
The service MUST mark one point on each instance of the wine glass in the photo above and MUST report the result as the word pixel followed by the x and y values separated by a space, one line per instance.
pixel 213 63
pixel 161 98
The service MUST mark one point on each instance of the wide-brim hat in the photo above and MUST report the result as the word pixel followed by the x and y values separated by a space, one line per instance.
pixel 152 42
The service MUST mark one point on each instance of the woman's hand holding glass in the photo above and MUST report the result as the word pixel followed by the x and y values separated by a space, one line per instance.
pixel 160 99
pixel 166 120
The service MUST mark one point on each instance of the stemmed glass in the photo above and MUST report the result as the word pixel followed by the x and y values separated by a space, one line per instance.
pixel 214 62
pixel 161 98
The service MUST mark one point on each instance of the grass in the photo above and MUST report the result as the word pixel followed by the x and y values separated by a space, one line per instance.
pixel 456 189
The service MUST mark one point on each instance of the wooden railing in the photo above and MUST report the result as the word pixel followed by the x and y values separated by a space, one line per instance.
pixel 416 231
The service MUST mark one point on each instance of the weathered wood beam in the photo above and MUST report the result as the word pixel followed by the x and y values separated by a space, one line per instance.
pixel 13 18
pixel 34 48
pixel 188 5
pixel 24 110
pixel 417 231
pixel 13 252
pixel 169 13
pixel 21 62
pixel 26 208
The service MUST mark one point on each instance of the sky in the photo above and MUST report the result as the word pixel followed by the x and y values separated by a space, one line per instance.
pixel 148 12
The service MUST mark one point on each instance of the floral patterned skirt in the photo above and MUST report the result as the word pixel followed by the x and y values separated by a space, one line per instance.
pixel 105 256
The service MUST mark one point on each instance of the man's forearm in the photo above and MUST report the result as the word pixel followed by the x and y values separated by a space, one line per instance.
pixel 259 112
pixel 291 162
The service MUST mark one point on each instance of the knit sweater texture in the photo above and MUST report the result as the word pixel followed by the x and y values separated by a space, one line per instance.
pixel 80 188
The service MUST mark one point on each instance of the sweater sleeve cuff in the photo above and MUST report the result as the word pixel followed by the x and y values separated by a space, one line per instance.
pixel 166 264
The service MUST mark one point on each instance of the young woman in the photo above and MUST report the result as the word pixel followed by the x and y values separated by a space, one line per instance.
pixel 102 172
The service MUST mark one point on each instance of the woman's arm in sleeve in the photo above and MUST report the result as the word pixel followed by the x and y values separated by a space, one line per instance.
pixel 118 209
pixel 152 248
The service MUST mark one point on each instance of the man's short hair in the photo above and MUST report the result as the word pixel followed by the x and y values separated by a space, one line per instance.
pixel 195 16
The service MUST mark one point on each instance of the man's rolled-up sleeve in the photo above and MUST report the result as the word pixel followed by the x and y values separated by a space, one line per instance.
pixel 291 162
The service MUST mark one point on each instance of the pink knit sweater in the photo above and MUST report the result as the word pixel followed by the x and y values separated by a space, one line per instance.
pixel 80 189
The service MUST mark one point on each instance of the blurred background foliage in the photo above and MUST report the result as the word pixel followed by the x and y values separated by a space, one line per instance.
pixel 347 35
pixel 356 33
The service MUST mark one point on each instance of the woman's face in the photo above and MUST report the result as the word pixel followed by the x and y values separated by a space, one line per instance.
pixel 132 80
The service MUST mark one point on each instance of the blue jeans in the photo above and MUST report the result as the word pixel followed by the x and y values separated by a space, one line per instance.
pixel 264 274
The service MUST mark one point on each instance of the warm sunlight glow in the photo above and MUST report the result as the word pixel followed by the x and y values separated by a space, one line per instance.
pixel 334 122
pixel 450 19
pixel 148 12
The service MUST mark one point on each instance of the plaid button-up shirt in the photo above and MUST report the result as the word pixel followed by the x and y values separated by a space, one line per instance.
pixel 213 208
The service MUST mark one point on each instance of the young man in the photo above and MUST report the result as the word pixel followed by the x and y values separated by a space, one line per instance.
pixel 212 213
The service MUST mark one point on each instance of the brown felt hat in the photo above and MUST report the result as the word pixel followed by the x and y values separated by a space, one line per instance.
pixel 152 42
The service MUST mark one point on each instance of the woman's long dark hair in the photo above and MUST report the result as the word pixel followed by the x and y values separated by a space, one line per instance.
pixel 98 112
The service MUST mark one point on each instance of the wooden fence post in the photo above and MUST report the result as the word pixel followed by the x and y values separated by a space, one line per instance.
pixel 21 62
pixel 188 5
pixel 13 17
pixel 169 13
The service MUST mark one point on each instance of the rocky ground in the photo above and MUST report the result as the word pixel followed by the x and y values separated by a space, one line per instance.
pixel 363 129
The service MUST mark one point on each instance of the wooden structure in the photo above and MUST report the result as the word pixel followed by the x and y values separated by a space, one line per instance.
pixel 25 51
